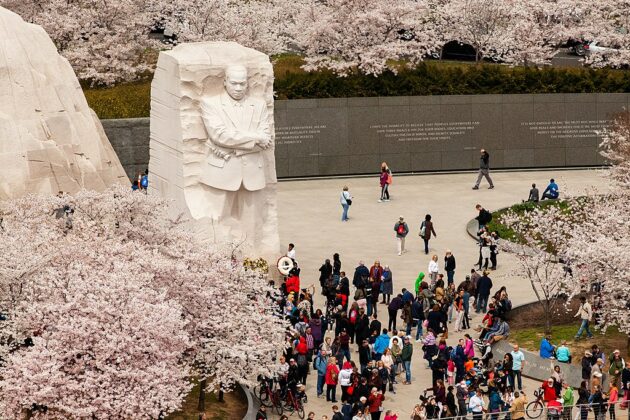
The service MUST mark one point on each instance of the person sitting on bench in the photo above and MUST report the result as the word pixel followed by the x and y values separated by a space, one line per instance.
pixel 551 192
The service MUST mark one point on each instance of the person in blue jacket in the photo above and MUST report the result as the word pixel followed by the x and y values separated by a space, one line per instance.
pixel 381 343
pixel 546 348
pixel 552 191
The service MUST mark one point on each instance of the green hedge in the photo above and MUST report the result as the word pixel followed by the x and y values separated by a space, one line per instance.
pixel 431 78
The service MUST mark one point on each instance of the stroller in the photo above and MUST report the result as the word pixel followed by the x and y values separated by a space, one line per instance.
pixel 554 410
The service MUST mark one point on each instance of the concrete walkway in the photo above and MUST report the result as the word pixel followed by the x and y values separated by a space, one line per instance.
pixel 310 217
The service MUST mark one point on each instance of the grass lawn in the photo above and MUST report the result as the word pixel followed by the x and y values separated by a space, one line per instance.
pixel 234 407
pixel 529 338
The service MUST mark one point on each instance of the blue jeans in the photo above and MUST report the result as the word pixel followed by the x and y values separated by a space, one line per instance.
pixel 407 364
pixel 320 384
pixel 369 306
pixel 516 373
pixel 584 327
pixel 449 276
pixel 418 331
pixel 482 302
pixel 344 215
pixel 426 245
pixel 345 352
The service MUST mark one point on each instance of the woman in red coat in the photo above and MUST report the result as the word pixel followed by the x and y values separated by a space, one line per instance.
pixel 375 401
pixel 293 284
pixel 331 379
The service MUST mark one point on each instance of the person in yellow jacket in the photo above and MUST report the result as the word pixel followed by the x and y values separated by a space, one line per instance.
pixel 518 405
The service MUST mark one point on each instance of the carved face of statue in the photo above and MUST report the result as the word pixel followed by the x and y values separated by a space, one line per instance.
pixel 236 82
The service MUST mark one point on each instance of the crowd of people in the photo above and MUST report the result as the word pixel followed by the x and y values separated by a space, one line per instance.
pixel 361 342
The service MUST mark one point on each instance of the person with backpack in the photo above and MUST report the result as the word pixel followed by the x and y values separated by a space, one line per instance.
pixel 401 230
pixel 320 364
pixel 426 228
pixel 484 170
pixel 483 218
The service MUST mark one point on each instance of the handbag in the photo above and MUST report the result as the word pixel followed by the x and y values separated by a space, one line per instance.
pixel 349 201
pixel 359 294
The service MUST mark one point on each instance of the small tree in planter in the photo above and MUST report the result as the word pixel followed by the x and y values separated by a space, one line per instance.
pixel 540 244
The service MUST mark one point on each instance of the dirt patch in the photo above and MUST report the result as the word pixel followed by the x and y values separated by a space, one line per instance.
pixel 533 315
pixel 234 406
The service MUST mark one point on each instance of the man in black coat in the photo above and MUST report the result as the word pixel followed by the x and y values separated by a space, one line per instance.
pixel 361 276
pixel 484 285
pixel 362 328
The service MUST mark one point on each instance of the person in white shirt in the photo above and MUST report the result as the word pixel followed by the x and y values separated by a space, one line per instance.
pixel 346 201
pixel 291 252
pixel 475 405
pixel 434 268
pixel 585 312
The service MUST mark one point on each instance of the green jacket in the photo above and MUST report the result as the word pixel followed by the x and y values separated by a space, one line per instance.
pixel 418 281
pixel 407 351
pixel 567 397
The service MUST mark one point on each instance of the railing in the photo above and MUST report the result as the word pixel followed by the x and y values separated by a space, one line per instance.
pixel 536 409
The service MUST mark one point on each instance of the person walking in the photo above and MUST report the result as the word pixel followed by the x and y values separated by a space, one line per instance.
pixel 484 170
pixel 346 202
pixel 401 230
pixel 385 180
pixel 585 312
pixel 449 266
pixel 426 228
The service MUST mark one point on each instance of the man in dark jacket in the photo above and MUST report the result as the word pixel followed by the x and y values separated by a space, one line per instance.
pixel 405 356
pixel 459 360
pixel 365 355
pixel 375 325
pixel 449 266
pixel 417 315
pixel 394 306
pixel 362 328
pixel 484 285
pixel 361 276
pixel 484 217
pixel 484 170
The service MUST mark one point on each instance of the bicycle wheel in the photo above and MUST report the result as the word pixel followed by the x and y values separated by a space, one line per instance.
pixel 264 397
pixel 534 409
pixel 300 411
pixel 277 403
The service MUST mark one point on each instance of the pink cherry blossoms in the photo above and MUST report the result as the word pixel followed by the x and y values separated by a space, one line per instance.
pixel 112 309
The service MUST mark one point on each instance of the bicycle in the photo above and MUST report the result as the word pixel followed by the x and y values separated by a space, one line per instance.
pixel 535 408
pixel 268 396
pixel 293 404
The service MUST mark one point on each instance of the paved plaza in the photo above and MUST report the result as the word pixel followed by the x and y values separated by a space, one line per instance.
pixel 310 217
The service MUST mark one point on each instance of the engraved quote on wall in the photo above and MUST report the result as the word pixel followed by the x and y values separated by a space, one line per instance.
pixel 427 131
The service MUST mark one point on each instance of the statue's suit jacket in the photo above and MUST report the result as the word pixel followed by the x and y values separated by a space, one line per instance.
pixel 232 130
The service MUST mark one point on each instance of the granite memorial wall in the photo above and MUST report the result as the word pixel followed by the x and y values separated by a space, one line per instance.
pixel 349 136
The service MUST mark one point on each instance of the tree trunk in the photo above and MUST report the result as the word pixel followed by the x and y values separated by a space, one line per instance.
pixel 221 393
pixel 547 311
pixel 201 406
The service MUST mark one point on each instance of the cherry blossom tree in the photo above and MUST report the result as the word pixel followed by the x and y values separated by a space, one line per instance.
pixel 364 35
pixel 540 247
pixel 105 41
pixel 601 243
pixel 259 24
pixel 213 317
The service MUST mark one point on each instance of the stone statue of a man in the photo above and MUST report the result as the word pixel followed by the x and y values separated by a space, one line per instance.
pixel 212 151
pixel 238 131
pixel 238 127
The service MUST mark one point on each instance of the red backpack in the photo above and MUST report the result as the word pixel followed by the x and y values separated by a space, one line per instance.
pixel 353 316
pixel 401 229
